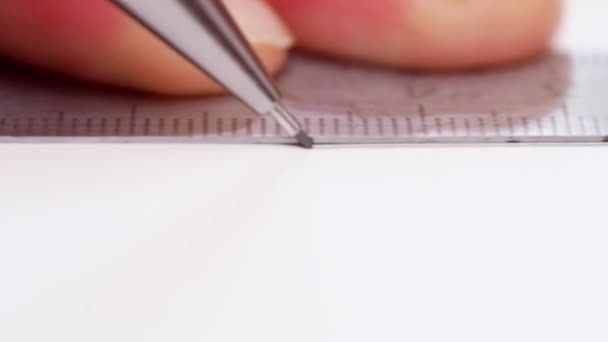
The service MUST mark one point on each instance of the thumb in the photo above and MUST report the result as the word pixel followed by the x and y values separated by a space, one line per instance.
pixel 94 41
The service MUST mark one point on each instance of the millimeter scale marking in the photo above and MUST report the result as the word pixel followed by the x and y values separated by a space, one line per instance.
pixel 560 98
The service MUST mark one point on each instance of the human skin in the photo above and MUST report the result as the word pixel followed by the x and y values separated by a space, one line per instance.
pixel 431 34
pixel 94 41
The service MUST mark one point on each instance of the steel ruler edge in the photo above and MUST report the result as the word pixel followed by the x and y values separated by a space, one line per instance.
pixel 561 98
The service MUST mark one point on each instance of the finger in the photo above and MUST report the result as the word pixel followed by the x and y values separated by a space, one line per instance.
pixel 423 33
pixel 92 40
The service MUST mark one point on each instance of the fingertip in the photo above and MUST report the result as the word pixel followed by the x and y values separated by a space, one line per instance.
pixel 457 34
pixel 168 74
pixel 95 41
pixel 57 34
pixel 428 34
pixel 147 64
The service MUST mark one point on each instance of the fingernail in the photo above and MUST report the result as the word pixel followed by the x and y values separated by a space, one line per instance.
pixel 260 24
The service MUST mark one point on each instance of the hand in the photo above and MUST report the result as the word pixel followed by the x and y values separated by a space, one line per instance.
pixel 92 40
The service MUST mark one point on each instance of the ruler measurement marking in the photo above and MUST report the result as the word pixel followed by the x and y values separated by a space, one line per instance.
pixel 158 127
pixel 4 127
pixel 15 126
pixel 322 126
pixel 380 124
pixel 496 122
pixel 176 126
pixel 582 125
pixel 467 127
pixel 526 125
pixel 597 126
pixel 177 123
pixel 146 127
pixel 453 128
pixel 540 126
pixel 90 126
pixel 554 125
pixel 162 126
pixel 439 127
pixel 219 122
pixel 306 126
pixel 30 125
pixel 567 120
pixel 18 131
pixel 395 126
pixel 45 126
pixel 22 126
pixel 249 127
pixel 351 124
pixel 117 126
pixel 75 126
pixel 191 127
pixel 482 127
pixel 422 113
pixel 511 124
pixel 60 129
pixel 104 126
pixel 235 126
pixel 409 126
pixel 205 123
pixel 336 127
pixel 365 127
pixel 132 120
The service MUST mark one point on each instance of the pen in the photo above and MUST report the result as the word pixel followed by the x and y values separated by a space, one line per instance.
pixel 204 33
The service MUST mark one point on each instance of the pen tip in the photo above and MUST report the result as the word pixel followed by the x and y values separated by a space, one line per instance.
pixel 304 140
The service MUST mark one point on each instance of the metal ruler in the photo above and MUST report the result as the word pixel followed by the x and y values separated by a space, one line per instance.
pixel 560 98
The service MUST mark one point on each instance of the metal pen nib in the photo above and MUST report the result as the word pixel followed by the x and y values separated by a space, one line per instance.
pixel 291 125
pixel 204 33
